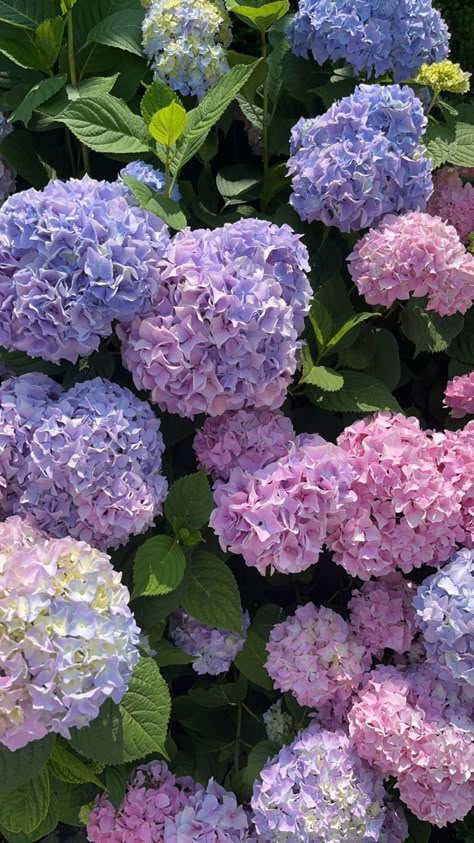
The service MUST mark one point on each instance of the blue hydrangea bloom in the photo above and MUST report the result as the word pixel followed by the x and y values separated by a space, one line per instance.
pixel 73 258
pixel 362 159
pixel 184 42
pixel 374 36
pixel 150 176
pixel 444 604
pixel 212 650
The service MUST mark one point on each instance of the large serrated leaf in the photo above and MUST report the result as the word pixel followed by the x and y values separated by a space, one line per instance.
pixel 27 13
pixel 17 768
pixel 137 727
pixel 325 378
pixel 105 124
pixel 361 393
pixel 122 30
pixel 23 809
pixel 220 696
pixel 165 208
pixel 39 93
pixel 259 15
pixel 66 767
pixel 189 502
pixel 158 567
pixel 168 124
pixel 427 330
pixel 157 96
pixel 251 660
pixel 213 596
pixel 345 329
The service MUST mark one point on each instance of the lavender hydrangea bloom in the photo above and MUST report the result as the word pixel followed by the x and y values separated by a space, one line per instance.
pixel 184 42
pixel 395 826
pixel 317 790
pixel 374 36
pixel 213 650
pixel 73 258
pixel 361 160
pixel 222 330
pixel 444 604
pixel 210 815
pixel 150 176
pixel 93 469
pixel 59 598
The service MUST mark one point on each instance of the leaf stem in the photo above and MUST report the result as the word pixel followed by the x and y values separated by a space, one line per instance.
pixel 74 81
pixel 432 104
pixel 168 187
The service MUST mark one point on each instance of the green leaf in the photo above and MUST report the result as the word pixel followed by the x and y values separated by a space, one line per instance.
pixel 158 567
pixel 189 502
pixel 462 349
pixel 39 93
pixel 419 832
pixel 20 46
pixel 258 757
pixel 213 595
pixel 167 654
pixel 450 145
pixel 116 781
pixel 91 87
pixel 325 378
pixel 220 696
pixel 47 825
pixel 168 124
pixel 26 13
pixel 438 140
pixel 251 659
pixel 17 768
pixel 360 394
pixel 157 96
pixel 260 16
pixel 136 727
pixel 66 767
pixel 106 124
pixel 385 363
pixel 167 209
pixel 237 182
pixel 321 323
pixel 211 108
pixel 122 30
pixel 19 149
pixel 24 808
pixel 427 330
pixel 48 37
pixel 71 800
pixel 348 326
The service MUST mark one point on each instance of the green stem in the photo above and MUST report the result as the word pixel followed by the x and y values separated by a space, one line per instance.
pixel 168 186
pixel 265 111
pixel 70 151
pixel 237 739
pixel 252 713
pixel 432 104
pixel 74 80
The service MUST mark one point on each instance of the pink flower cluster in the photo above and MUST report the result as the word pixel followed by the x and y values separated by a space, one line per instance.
pixel 405 512
pixel 382 616
pixel 411 726
pixel 454 453
pixel 453 201
pixel 246 439
pixel 314 655
pixel 277 517
pixel 459 395
pixel 415 254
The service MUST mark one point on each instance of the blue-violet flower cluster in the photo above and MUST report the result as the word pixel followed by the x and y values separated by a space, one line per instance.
pixel 150 176
pixel 213 650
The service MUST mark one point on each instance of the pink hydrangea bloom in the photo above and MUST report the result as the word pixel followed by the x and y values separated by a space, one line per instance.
pixel 405 513
pixel 454 452
pixel 246 439
pixel 415 254
pixel 413 727
pixel 210 815
pixel 153 796
pixel 381 614
pixel 314 655
pixel 453 201
pixel 459 395
pixel 277 517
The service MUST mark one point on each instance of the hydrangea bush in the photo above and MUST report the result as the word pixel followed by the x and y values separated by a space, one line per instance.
pixel 236 421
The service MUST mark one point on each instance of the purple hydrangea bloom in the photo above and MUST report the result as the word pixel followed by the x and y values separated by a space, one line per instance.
pixel 222 332
pixel 213 650
pixel 374 36
pixel 93 466
pixel 395 826
pixel 317 790
pixel 210 815
pixel 73 258
pixel 150 176
pixel 444 603
pixel 361 160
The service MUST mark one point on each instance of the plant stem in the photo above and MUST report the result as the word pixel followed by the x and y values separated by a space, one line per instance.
pixel 252 713
pixel 237 739
pixel 168 187
pixel 265 111
pixel 73 76
pixel 432 104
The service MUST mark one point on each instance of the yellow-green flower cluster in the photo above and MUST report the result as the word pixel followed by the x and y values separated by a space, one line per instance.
pixel 444 76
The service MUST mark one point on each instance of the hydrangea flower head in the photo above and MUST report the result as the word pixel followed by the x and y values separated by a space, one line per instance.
pixel 222 330
pixel 405 514
pixel 459 395
pixel 94 466
pixel 213 650
pixel 454 453
pixel 210 814
pixel 153 796
pixel 73 258
pixel 58 598
pixel 185 43
pixel 318 789
pixel 444 76
pixel 374 36
pixel 382 616
pixel 248 439
pixel 277 518
pixel 279 724
pixel 361 160
pixel 453 201
pixel 395 826
pixel 150 176
pixel 444 604
pixel 415 254
pixel 409 725
pixel 314 655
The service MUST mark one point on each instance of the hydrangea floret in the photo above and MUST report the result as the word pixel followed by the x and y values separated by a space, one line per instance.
pixel 454 454
pixel 453 201
pixel 361 160
pixel 381 614
pixel 459 395
pixel 68 640
pixel 210 814
pixel 279 724
pixel 213 650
